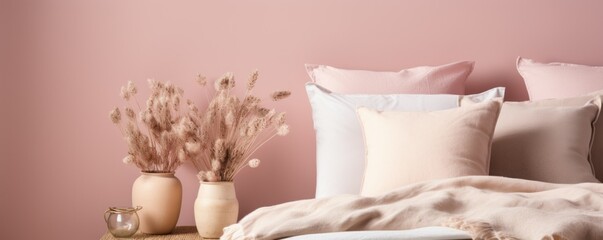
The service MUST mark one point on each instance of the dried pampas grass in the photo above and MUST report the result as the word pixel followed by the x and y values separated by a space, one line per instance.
pixel 155 135
pixel 220 141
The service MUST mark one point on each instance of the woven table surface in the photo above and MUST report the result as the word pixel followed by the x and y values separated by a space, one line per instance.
pixel 180 233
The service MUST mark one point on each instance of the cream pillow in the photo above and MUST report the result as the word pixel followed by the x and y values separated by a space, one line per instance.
pixel 408 147
pixel 547 140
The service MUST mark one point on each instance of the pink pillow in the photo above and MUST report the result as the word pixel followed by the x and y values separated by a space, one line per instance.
pixel 449 78
pixel 558 80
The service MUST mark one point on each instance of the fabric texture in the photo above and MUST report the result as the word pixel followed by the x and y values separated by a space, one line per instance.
pixel 408 147
pixel 487 207
pixel 444 79
pixel 339 140
pixel 545 141
pixel 559 80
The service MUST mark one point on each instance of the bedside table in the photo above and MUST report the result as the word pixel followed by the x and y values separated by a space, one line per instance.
pixel 179 233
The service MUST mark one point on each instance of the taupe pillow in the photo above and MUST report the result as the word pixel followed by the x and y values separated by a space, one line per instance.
pixel 547 140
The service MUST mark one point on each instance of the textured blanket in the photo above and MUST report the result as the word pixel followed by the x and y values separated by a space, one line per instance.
pixel 484 206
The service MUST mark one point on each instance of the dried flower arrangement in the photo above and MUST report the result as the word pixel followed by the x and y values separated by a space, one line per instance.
pixel 220 141
pixel 153 145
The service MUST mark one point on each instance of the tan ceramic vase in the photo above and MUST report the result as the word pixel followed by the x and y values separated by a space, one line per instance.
pixel 160 196
pixel 216 207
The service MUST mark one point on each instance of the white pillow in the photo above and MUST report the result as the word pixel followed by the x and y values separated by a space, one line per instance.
pixel 340 150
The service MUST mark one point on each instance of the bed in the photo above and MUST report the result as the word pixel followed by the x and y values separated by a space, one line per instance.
pixel 408 155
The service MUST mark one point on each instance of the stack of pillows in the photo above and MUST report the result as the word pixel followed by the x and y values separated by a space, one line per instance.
pixel 377 131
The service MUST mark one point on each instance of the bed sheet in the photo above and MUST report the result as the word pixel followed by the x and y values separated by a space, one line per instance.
pixel 426 233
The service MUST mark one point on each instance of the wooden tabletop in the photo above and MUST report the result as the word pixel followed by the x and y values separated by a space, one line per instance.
pixel 180 233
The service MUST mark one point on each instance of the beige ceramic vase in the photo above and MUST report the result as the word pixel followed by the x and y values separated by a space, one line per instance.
pixel 160 196
pixel 216 207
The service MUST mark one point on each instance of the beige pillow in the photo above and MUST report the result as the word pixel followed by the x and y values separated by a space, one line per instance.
pixel 548 140
pixel 408 147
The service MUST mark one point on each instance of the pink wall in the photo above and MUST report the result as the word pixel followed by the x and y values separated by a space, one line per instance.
pixel 63 62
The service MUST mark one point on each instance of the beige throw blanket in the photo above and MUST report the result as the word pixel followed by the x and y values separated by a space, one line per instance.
pixel 484 206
